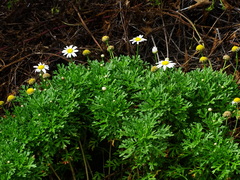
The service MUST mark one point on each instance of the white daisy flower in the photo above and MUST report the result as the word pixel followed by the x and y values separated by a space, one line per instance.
pixel 165 64
pixel 154 50
pixel 138 39
pixel 70 51
pixel 41 67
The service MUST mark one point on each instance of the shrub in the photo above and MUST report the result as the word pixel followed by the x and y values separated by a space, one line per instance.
pixel 151 125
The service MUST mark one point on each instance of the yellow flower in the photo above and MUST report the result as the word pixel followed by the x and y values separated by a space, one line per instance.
pixel 110 48
pixel 200 47
pixel 10 98
pixel 154 68
pixel 86 52
pixel 203 59
pixel 105 38
pixel 236 100
pixel 31 81
pixel 1 103
pixel 235 49
pixel 30 91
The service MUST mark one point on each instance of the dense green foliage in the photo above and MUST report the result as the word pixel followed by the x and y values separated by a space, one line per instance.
pixel 121 120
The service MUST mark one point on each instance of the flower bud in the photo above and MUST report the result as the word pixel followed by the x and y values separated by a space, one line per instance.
pixel 86 52
pixel 154 68
pixel 30 91
pixel 31 81
pixel 105 38
pixel 46 75
pixel 110 48
pixel 10 98
pixel 226 57
pixel 200 47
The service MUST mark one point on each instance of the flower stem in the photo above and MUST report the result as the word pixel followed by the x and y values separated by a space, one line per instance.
pixel 55 172
pixel 235 127
pixel 137 51
pixel 71 167
pixel 84 160
pixel 236 67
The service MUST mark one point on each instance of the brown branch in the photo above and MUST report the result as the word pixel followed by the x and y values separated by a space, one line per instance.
pixel 85 26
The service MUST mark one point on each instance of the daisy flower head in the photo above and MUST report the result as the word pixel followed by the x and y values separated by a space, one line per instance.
pixel 138 39
pixel 154 50
pixel 41 67
pixel 165 64
pixel 70 51
pixel 236 101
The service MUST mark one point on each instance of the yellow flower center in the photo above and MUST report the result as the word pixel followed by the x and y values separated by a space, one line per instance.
pixel 41 67
pixel 164 63
pixel 69 51
pixel 138 39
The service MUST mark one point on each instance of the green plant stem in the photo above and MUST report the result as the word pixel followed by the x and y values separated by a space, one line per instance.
pixel 72 170
pixel 88 58
pixel 210 64
pixel 137 51
pixel 236 67
pixel 55 172
pixel 111 54
pixel 155 57
pixel 84 160
pixel 71 167
pixel 223 68
pixel 235 127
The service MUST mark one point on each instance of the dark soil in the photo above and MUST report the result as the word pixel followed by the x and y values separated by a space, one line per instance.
pixel 34 31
